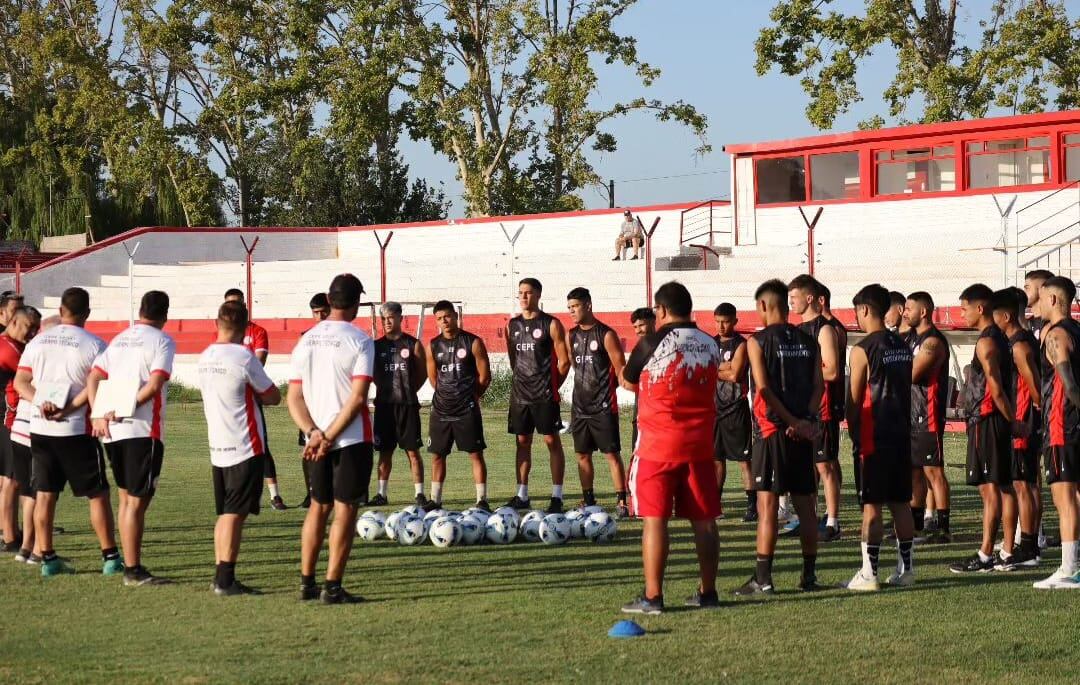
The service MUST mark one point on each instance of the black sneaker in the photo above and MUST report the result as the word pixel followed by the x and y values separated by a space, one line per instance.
pixel 622 511
pixel 703 600
pixel 1021 558
pixel 339 596
pixel 277 504
pixel 753 588
pixel 939 537
pixel 809 584
pixel 751 516
pixel 309 592
pixel 644 605
pixel 306 504
pixel 431 505
pixel 973 564
pixel 831 534
pixel 422 502
pixel 1052 541
pixel 139 576
pixel 516 502
pixel 237 588
pixel 13 546
pixel 482 505
pixel 378 501
pixel 555 506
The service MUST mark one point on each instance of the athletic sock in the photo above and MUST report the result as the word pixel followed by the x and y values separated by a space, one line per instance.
pixel 418 488
pixel 943 520
pixel 917 516
pixel 809 566
pixel 763 570
pixel 49 555
pixel 556 491
pixel 1028 543
pixel 382 487
pixel 436 492
pixel 481 491
pixel 307 581
pixel 226 574
pixel 110 554
pixel 523 491
pixel 929 515
pixel 620 497
pixel 984 557
pixel 589 497
pixel 832 521
pixel 1068 557
pixel 274 491
pixel 332 585
pixel 905 548
pixel 783 504
pixel 871 555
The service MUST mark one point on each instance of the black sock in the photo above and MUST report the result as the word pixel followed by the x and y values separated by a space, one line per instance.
pixel 905 553
pixel 809 566
pixel 333 585
pixel 110 554
pixel 24 552
pixel 307 581
pixel 49 555
pixel 620 497
pixel 226 574
pixel 1029 543
pixel 589 496
pixel 874 553
pixel 751 500
pixel 918 515
pixel 943 520
pixel 763 571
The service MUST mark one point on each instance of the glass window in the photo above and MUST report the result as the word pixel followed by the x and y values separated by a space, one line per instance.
pixel 781 179
pixel 1015 167
pixel 834 176
pixel 917 170
pixel 1072 163
pixel 1072 139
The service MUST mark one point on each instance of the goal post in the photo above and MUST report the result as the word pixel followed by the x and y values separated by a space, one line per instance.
pixel 418 308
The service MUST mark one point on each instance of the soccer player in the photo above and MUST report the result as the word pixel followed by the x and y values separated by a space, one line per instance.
pixel 732 434
pixel 929 399
pixel 459 371
pixel 332 369
pixel 787 384
pixel 400 371
pixel 230 378
pixel 10 301
pixel 320 309
pixel 643 319
pixel 135 446
pixel 987 400
pixel 879 415
pixel 60 442
pixel 1033 281
pixel 674 373
pixel 894 317
pixel 1061 421
pixel 257 340
pixel 17 492
pixel 9 493
pixel 598 359
pixel 536 344
pixel 804 294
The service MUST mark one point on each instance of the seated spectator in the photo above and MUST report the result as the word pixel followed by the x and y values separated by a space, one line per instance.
pixel 630 235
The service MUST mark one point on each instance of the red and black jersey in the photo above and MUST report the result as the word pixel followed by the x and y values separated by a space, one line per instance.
pixel 929 397
pixel 675 371
pixel 828 398
pixel 729 396
pixel 1025 403
pixel 976 398
pixel 1037 323
pixel 533 361
pixel 885 414
pixel 10 352
pixel 395 363
pixel 594 376
pixel 790 356
pixel 456 376
pixel 1061 419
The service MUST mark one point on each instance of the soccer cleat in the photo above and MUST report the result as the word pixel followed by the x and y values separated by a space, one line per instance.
pixel 309 592
pixel 339 596
pixel 112 567
pixel 939 537
pixel 790 529
pixel 55 567
pixel 23 556
pixel 34 559
pixel 622 511
pixel 863 583
pixel 430 505
pixel 753 588
pixel 482 505
pixel 830 534
pixel 138 576
pixel 973 564
pixel 809 584
pixel 750 516
pixel 516 502
pixel 703 600
pixel 555 506
pixel 306 503
pixel 421 501
pixel 1019 559
pixel 13 546
pixel 277 504
pixel 378 501
pixel 237 588
pixel 1059 581
pixel 1051 541
pixel 644 605
pixel 901 578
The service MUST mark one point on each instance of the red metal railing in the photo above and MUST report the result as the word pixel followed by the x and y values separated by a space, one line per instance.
pixel 698 222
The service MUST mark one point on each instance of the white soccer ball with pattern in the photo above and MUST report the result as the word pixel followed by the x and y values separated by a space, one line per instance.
pixel 500 529
pixel 413 510
pixel 530 526
pixel 445 532
pixel 374 515
pixel 368 529
pixel 577 519
pixel 472 531
pixel 554 529
pixel 593 509
pixel 479 514
pixel 411 530
pixel 390 528
pixel 600 527
pixel 435 514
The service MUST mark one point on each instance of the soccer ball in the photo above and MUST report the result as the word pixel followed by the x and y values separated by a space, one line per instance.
pixel 377 516
pixel 445 532
pixel 510 513
pixel 413 510
pixel 411 530
pixel 500 529
pixel 577 519
pixel 554 529
pixel 593 509
pixel 456 515
pixel 600 527
pixel 368 529
pixel 435 514
pixel 530 526
pixel 391 525
pixel 472 531
pixel 479 514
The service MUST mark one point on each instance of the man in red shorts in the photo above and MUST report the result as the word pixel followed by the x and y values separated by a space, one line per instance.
pixel 674 373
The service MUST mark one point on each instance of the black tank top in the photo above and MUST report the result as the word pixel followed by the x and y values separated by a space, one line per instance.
pixel 838 390
pixel 533 360
pixel 885 415
pixel 594 377
pixel 455 374
pixel 813 328
pixel 394 366
pixel 930 397
pixel 1037 323
pixel 1025 405
pixel 1061 420
pixel 977 401
pixel 730 395
pixel 790 355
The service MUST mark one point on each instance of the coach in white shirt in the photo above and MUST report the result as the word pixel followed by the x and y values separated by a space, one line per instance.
pixel 61 446
pixel 231 378
pixel 135 445
pixel 332 369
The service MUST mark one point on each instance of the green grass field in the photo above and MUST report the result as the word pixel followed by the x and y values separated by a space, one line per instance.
pixel 521 613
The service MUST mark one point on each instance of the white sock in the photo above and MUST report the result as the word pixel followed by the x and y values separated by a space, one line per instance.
pixel 556 491
pixel 984 557
pixel 832 521
pixel 274 492
pixel 382 487
pixel 867 568
pixel 523 491
pixel 782 508
pixel 418 488
pixel 1068 557
pixel 481 491
pixel 436 492
pixel 929 515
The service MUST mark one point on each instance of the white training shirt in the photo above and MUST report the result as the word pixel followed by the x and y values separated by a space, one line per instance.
pixel 62 354
pixel 324 364
pixel 230 377
pixel 139 352
pixel 20 429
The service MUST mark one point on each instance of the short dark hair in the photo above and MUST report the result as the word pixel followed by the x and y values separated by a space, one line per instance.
pixel 76 301
pixel 233 314
pixel 1038 275
pixel 8 296
pixel 1004 300
pixel 978 292
pixel 806 282
pixel 875 296
pixel 444 306
pixel 345 291
pixel 775 288
pixel 579 294
pixel 29 312
pixel 154 305
pixel 1021 300
pixel 532 283
pixel 725 309
pixel 319 301
pixel 825 294
pixel 1063 284
pixel 234 292
pixel 642 314
pixel 923 298
pixel 674 297
pixel 896 298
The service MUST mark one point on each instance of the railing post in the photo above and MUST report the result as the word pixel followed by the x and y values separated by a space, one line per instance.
pixel 382 262
pixel 710 222
pixel 247 269
pixel 648 258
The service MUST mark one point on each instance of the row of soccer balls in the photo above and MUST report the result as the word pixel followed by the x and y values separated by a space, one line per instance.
pixel 447 528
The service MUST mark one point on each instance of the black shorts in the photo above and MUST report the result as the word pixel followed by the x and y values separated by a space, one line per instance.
pixel 1025 460
pixel 596 433
pixel 7 461
pixel 732 435
pixel 397 425
pixel 465 431
pixel 539 417
pixel 269 467
pixel 883 477
pixel 136 464
pixel 238 488
pixel 1062 464
pixel 927 449
pixel 989 451
pixel 74 459
pixel 827 446
pixel 23 467
pixel 343 475
pixel 779 464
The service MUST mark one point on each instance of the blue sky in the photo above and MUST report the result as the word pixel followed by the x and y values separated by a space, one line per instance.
pixel 705 49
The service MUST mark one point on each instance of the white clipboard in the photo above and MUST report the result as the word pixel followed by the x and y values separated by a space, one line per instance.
pixel 116 395
pixel 52 391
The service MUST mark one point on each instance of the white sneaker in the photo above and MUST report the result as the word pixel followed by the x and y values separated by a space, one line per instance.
pixel 861 583
pixel 1059 581
pixel 901 578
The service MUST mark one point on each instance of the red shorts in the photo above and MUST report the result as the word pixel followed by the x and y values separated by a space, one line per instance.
pixel 688 485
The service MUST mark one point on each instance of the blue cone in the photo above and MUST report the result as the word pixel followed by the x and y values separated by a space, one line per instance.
pixel 626 629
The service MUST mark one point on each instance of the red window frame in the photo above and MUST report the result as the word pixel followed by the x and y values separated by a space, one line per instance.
pixel 1025 137
pixel 930 146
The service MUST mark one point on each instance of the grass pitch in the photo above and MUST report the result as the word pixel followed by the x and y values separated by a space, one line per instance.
pixel 521 613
